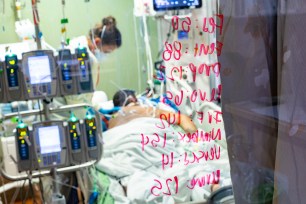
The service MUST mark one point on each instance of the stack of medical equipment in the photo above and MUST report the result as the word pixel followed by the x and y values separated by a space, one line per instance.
pixel 40 75
pixel 48 145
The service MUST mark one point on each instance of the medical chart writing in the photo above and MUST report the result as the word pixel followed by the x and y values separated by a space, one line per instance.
pixel 175 119
pixel 207 25
pixel 195 95
pixel 213 115
pixel 205 69
pixel 208 179
pixel 177 72
pixel 207 49
pixel 201 136
pixel 188 158
pixel 159 186
pixel 202 146
pixel 172 50
pixel 157 140
pixel 153 140
pixel 170 186
pixel 169 119
pixel 175 51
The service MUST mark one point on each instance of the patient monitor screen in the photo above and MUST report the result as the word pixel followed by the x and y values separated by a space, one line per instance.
pixel 39 69
pixel 161 5
pixel 49 139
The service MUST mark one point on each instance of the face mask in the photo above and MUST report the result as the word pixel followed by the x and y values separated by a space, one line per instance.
pixel 100 55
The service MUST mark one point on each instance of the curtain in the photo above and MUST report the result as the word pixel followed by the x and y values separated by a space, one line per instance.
pixel 263 98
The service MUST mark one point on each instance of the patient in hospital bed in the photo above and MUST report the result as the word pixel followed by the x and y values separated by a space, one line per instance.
pixel 131 109
pixel 134 166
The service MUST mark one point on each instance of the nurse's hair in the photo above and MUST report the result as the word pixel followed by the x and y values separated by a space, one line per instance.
pixel 107 31
pixel 124 97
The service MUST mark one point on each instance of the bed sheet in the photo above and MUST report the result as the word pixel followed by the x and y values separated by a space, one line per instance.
pixel 133 154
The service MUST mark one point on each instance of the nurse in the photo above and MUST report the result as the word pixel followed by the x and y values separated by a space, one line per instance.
pixel 104 38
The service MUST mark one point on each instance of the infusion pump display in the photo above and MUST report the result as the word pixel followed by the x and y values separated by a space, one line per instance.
pixel 39 75
pixel 50 145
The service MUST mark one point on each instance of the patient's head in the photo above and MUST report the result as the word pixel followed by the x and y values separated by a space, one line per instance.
pixel 124 97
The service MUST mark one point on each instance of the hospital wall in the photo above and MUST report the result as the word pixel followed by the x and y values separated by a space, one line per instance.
pixel 125 67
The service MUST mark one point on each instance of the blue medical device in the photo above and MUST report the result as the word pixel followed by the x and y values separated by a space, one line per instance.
pixel 67 73
pixel 83 71
pixel 91 136
pixel 76 144
pixel 23 143
pixel 13 79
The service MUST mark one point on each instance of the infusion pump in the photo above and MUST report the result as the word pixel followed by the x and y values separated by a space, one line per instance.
pixel 40 75
pixel 52 144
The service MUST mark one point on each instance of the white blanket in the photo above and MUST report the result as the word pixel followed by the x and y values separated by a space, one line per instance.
pixel 139 166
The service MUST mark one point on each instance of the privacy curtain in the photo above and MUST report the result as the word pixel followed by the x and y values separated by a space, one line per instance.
pixel 264 98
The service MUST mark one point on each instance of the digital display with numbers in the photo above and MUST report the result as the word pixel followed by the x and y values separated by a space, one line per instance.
pixel 39 69
pixel 49 139
pixel 162 5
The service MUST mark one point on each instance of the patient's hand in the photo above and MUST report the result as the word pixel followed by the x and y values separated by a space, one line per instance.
pixel 182 120
pixel 215 187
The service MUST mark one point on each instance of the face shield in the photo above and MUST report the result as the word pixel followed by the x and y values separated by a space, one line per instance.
pixel 98 52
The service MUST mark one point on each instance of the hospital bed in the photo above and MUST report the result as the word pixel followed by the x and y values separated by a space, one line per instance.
pixel 126 162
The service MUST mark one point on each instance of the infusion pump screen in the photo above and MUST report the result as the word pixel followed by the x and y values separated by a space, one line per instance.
pixel 49 139
pixel 39 69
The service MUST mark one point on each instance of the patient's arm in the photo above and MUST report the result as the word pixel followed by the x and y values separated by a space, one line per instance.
pixel 131 112
pixel 187 125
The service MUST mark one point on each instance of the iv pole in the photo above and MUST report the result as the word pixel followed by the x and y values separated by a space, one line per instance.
pixel 36 24
pixel 57 197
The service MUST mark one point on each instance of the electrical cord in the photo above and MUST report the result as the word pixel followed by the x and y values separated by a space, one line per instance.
pixel 15 195
pixel 41 187
pixel 2 181
pixel 167 39
pixel 3 14
pixel 39 108
pixel 31 189
pixel 21 190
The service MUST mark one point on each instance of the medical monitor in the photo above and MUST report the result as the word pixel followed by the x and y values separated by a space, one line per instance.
pixel 50 145
pixel 39 69
pixel 164 5
pixel 49 139
pixel 40 74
